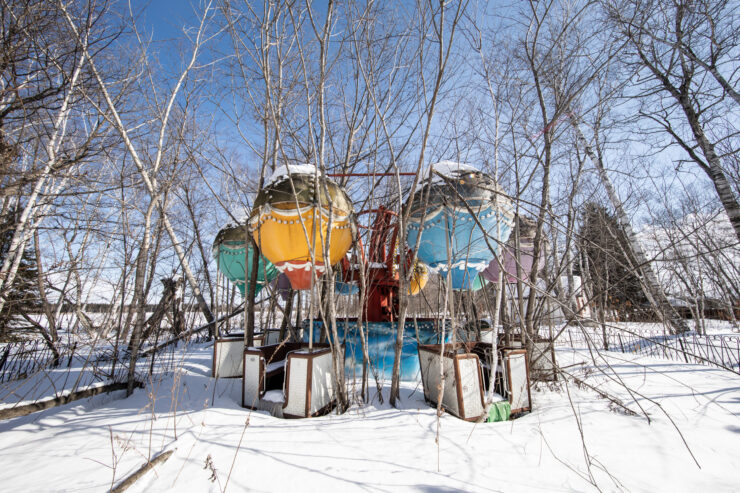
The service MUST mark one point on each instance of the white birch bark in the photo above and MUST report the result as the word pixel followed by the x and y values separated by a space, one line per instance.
pixel 22 233
pixel 151 185
pixel 648 280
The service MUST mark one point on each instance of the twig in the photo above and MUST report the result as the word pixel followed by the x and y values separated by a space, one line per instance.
pixel 601 393
pixel 129 481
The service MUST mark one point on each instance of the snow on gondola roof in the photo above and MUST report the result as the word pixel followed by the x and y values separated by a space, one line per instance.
pixel 283 171
pixel 449 169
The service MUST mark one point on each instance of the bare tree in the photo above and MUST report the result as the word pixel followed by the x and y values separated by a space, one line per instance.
pixel 44 75
pixel 149 173
pixel 681 51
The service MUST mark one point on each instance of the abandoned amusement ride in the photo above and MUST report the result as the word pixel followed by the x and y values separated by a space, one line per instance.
pixel 304 250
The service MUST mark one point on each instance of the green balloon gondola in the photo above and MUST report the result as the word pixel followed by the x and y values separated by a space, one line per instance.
pixel 229 250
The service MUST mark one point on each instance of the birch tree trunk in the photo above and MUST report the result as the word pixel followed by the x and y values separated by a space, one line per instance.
pixel 22 233
pixel 648 280
pixel 663 46
pixel 444 50
pixel 151 185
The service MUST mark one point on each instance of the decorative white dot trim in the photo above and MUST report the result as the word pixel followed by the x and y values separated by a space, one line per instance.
pixel 292 266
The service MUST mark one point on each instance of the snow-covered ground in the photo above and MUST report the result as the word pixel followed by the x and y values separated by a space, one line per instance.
pixel 87 367
pixel 574 440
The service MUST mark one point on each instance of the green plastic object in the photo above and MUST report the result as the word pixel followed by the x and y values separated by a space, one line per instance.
pixel 500 411
pixel 229 247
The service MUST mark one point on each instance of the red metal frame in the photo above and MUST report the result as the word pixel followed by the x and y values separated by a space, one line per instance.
pixel 341 175
pixel 382 282
pixel 381 303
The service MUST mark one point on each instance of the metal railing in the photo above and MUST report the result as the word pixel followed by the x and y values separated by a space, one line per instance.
pixel 721 351
pixel 22 359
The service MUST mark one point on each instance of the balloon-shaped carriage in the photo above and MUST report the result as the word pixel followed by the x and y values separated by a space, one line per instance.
pixel 234 257
pixel 301 225
pixel 459 220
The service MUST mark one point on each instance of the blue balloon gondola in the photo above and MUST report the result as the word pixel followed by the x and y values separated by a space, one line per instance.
pixel 463 218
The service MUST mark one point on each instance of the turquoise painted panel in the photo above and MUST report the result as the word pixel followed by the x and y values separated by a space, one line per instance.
pixel 381 340
pixel 471 250
pixel 231 260
pixel 346 288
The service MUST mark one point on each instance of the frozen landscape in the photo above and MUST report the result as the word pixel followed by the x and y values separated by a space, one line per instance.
pixel 675 428
pixel 268 245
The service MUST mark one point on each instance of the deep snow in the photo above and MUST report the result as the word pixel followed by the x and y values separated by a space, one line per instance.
pixel 91 444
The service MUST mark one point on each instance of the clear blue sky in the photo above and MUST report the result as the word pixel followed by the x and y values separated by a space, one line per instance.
pixel 164 19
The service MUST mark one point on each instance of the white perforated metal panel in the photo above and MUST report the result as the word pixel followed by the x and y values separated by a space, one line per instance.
pixel 471 388
pixel 519 386
pixel 228 358
pixel 322 391
pixel 251 380
pixel 429 374
pixel 296 387
pixel 449 400
pixel 542 358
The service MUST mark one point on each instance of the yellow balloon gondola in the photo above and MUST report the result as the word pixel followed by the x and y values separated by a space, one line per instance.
pixel 290 221
pixel 419 278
